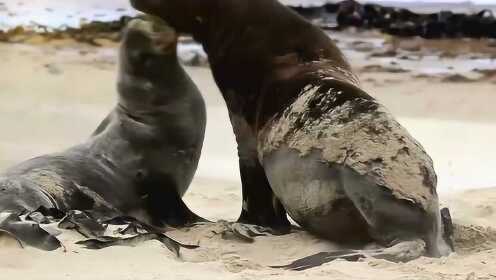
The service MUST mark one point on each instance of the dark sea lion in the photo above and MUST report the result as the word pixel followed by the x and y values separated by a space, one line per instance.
pixel 141 159
pixel 311 142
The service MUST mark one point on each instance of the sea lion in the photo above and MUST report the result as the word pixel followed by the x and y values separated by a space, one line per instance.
pixel 142 157
pixel 310 141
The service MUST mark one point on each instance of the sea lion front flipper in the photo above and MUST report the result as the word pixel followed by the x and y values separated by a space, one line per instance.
pixel 175 212
pixel 401 252
pixel 189 217
pixel 260 205
pixel 163 203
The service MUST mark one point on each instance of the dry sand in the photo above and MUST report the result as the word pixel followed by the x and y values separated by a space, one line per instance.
pixel 53 97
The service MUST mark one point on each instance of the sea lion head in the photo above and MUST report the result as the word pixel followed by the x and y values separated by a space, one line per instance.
pixel 186 16
pixel 148 62
pixel 147 43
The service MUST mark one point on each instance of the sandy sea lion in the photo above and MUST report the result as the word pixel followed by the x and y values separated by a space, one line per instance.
pixel 310 141
pixel 141 159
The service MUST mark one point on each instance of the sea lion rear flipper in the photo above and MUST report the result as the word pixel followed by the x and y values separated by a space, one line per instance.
pixel 8 239
pixel 177 213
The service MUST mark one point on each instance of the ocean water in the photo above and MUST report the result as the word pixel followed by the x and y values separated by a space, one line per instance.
pixel 56 13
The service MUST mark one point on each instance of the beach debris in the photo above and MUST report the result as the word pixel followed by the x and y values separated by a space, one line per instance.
pixel 28 232
pixel 83 223
pixel 107 241
pixel 141 232
pixel 22 229
pixel 131 229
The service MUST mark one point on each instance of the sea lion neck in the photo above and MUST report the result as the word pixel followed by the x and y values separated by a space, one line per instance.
pixel 151 94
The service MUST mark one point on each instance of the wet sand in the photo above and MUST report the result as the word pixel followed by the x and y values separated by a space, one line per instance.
pixel 54 96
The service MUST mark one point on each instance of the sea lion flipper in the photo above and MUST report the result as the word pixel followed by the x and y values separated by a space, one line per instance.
pixel 260 205
pixel 166 205
pixel 186 216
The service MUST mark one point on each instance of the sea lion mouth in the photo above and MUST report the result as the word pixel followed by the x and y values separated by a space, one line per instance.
pixel 162 36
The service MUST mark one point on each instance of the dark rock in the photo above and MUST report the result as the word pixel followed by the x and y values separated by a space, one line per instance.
pixel 403 22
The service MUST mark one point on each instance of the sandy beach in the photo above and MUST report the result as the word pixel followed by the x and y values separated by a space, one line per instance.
pixel 54 95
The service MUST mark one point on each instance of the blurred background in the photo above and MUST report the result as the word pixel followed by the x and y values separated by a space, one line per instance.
pixel 55 89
